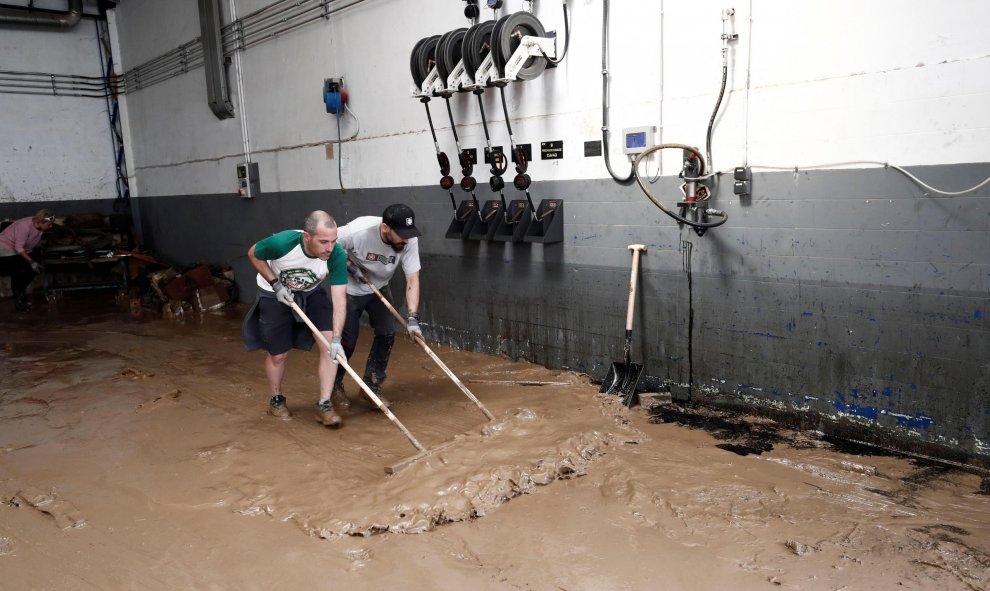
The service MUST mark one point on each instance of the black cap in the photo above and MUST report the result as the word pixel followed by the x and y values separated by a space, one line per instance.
pixel 402 220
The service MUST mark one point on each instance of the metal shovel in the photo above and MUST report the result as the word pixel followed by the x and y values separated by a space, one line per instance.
pixel 623 376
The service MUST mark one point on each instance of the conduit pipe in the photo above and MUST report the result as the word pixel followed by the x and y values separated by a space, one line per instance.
pixel 26 16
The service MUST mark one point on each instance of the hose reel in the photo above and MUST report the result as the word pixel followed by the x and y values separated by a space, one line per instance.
pixel 423 58
pixel 507 36
pixel 487 54
pixel 476 45
pixel 448 52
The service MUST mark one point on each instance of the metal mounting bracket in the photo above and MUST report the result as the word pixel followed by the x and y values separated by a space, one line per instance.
pixel 458 79
pixel 486 73
pixel 528 47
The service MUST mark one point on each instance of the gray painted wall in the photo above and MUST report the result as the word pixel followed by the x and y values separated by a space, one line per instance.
pixel 846 296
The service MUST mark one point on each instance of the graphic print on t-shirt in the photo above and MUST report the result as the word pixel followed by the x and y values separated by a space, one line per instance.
pixel 298 279
pixel 380 258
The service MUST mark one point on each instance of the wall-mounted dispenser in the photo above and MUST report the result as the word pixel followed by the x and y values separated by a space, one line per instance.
pixel 487 222
pixel 514 223
pixel 248 185
pixel 465 216
pixel 547 226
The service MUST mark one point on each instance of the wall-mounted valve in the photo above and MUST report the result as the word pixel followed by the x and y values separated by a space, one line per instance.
pixel 692 209
pixel 692 206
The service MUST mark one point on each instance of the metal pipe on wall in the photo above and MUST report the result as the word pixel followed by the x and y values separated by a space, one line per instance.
pixel 25 16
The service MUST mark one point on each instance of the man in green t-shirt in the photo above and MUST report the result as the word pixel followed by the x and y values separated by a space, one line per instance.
pixel 292 266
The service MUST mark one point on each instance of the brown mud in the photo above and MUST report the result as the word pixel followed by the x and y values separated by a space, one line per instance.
pixel 136 453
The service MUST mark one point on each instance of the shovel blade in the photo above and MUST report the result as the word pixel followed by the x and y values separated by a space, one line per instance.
pixel 628 388
pixel 613 378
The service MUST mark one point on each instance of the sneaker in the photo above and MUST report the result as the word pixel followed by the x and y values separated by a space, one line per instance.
pixel 277 408
pixel 327 415
pixel 338 398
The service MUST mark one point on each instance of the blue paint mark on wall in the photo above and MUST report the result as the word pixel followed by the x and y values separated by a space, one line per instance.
pixel 918 421
pixel 978 314
pixel 807 313
pixel 867 412
pixel 767 335
pixel 790 326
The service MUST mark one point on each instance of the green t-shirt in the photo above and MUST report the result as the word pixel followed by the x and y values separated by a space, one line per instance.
pixel 295 269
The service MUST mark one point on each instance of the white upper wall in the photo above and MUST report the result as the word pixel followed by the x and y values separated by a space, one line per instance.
pixel 54 148
pixel 903 81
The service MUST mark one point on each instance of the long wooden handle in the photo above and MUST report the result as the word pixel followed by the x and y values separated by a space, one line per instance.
pixel 636 248
pixel 429 351
pixel 343 363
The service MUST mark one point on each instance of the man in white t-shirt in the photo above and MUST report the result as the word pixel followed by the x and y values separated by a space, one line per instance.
pixel 381 245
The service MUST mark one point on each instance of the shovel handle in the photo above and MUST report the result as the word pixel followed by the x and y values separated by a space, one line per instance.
pixel 343 363
pixel 636 249
pixel 422 343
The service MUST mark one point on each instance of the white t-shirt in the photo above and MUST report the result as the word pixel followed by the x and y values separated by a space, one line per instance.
pixel 362 239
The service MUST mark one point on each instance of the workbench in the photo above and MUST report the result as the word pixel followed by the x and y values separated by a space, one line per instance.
pixel 84 273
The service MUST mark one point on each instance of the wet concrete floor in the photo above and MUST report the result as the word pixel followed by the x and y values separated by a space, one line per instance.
pixel 136 453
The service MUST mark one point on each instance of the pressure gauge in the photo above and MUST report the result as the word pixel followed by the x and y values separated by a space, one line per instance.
pixel 494 4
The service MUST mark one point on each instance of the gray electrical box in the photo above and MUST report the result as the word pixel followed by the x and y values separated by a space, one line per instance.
pixel 636 140
pixel 248 184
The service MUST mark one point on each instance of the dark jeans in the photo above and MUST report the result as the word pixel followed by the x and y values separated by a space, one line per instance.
pixel 381 348
pixel 21 274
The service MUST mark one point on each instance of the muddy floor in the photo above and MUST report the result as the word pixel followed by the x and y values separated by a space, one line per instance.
pixel 136 453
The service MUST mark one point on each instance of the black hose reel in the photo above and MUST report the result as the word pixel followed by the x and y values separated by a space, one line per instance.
pixel 506 36
pixel 448 52
pixel 496 40
pixel 423 58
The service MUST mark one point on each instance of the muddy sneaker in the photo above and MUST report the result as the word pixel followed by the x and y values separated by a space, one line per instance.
pixel 327 415
pixel 338 398
pixel 277 408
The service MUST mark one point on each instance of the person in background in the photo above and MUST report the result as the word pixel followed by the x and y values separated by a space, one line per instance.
pixel 380 245
pixel 16 242
pixel 292 266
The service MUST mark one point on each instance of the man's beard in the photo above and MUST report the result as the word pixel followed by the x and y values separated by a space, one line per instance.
pixel 397 247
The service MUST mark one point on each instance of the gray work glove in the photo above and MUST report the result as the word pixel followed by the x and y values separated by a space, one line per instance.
pixel 36 267
pixel 336 348
pixel 412 324
pixel 283 294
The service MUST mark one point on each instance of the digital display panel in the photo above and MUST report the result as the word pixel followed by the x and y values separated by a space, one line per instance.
pixel 636 140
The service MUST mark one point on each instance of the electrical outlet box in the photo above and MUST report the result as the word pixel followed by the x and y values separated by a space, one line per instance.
pixel 334 95
pixel 636 140
pixel 741 188
pixel 248 184
pixel 742 173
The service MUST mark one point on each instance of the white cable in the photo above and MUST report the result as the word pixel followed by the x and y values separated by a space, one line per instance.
pixel 353 135
pixel 850 163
